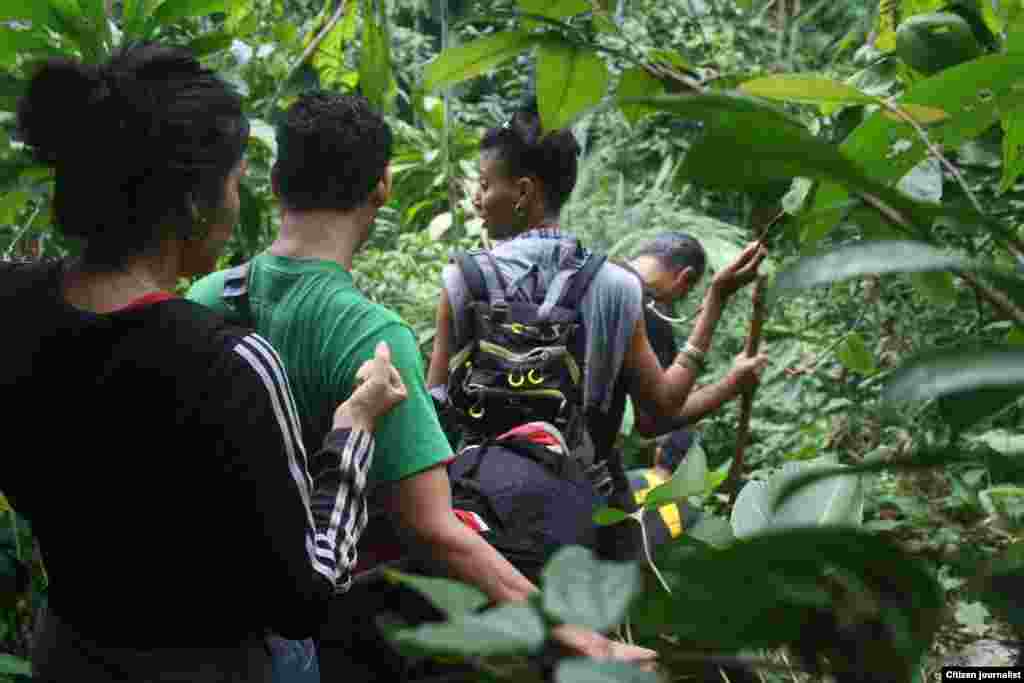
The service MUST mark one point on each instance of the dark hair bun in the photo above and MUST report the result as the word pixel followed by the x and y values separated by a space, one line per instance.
pixel 59 87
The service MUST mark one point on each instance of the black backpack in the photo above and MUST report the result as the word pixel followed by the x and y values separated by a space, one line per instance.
pixel 524 361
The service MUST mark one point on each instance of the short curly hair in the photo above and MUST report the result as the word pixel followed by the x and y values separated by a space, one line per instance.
pixel 332 151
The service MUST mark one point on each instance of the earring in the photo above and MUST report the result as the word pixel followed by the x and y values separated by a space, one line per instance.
pixel 518 208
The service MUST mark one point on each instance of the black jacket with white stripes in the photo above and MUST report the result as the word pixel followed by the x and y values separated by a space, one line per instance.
pixel 158 457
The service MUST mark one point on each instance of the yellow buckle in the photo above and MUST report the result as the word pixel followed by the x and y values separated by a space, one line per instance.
pixel 534 377
pixel 476 412
pixel 516 383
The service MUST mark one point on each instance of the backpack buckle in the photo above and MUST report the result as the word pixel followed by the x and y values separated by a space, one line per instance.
pixel 499 311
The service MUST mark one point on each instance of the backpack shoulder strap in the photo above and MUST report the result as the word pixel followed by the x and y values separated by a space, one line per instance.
pixel 581 281
pixel 472 274
pixel 236 290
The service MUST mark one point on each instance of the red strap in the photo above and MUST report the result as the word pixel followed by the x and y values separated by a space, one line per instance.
pixel 148 299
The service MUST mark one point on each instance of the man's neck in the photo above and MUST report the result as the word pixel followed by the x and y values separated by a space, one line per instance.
pixel 325 235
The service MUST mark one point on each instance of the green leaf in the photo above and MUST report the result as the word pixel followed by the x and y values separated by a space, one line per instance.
pixel 886 150
pixel 1013 148
pixel 570 80
pixel 210 43
pixel 95 13
pixel 973 617
pixel 806 89
pixel 579 670
pixel 936 287
pixel 579 589
pixel 463 62
pixel 25 10
pixel 5 507
pixel 451 597
pixel 14 666
pixel 329 58
pixel 761 506
pixel 509 629
pixel 637 82
pixel 715 531
pixel 375 76
pixel 554 9
pixel 772 586
pixel 608 516
pixel 866 258
pixel 11 89
pixel 172 11
pixel 1005 502
pixel 854 354
pixel 954 372
pixel 1003 441
pixel 14 42
pixel 689 479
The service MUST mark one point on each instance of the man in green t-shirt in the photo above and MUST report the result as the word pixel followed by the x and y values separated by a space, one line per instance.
pixel 332 176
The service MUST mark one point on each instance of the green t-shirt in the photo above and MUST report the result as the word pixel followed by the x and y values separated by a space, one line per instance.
pixel 324 329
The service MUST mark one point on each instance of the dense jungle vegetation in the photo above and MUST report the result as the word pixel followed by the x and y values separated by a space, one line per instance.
pixel 878 149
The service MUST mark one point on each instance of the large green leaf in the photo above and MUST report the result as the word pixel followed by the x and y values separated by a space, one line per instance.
pixel 689 479
pixel 978 382
pixel 637 82
pixel 95 12
pixel 886 150
pixel 509 629
pixel 451 597
pixel 463 62
pixel 1013 148
pixel 175 10
pixel 329 58
pixel 210 43
pixel 570 80
pixel 772 588
pixel 376 80
pixel 14 42
pixel 579 670
pixel 579 589
pixel 35 11
pixel 804 88
pixel 11 89
pixel 750 146
pixel 837 500
pixel 554 9
pixel 866 258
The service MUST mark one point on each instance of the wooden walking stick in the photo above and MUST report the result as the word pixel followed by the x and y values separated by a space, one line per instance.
pixel 747 401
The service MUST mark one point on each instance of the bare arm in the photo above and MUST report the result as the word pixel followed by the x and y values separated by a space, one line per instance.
pixel 438 372
pixel 422 505
pixel 662 394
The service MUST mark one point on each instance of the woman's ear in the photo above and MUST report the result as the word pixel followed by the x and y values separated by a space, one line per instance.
pixel 382 193
pixel 527 191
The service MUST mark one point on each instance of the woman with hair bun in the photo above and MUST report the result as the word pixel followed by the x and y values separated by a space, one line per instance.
pixel 566 340
pixel 156 450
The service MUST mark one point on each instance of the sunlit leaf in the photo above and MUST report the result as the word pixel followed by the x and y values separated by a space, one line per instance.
pixel 886 150
pixel 570 80
pixel 637 82
pixel 1013 148
pixel 689 479
pixel 176 10
pixel 807 89
pixel 554 9
pixel 463 62
pixel 608 516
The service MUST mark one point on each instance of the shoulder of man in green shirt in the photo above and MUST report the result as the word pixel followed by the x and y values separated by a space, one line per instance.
pixel 409 439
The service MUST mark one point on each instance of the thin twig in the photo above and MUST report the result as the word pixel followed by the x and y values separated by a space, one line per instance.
pixel 791 672
pixel 308 52
pixel 995 297
pixel 21 233
pixel 934 150
pixel 638 516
